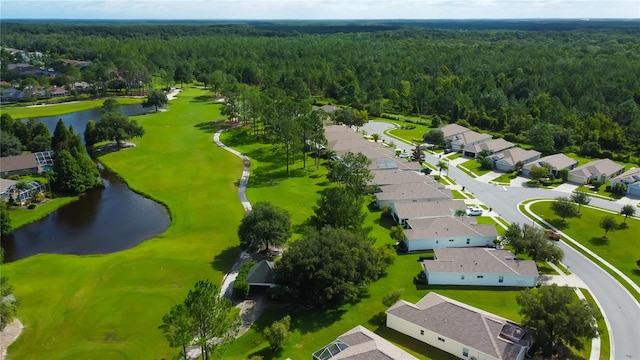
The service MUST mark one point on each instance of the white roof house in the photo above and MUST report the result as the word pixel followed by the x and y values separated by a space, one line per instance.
pixel 360 343
pixel 507 160
pixel 479 266
pixel 406 212
pixel 631 179
pixel 398 176
pixel 413 192
pixel 555 163
pixel 603 170
pixel 467 139
pixel 433 233
pixel 451 130
pixel 492 147
pixel 459 329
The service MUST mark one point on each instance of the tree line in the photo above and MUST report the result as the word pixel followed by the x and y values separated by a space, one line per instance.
pixel 576 90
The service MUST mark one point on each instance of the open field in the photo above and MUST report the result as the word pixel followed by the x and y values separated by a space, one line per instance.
pixel 63 108
pixel 110 306
pixel 619 249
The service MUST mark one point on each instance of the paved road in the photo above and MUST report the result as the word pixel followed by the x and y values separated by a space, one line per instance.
pixel 620 308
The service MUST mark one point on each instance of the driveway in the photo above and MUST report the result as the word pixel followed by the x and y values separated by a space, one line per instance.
pixel 621 310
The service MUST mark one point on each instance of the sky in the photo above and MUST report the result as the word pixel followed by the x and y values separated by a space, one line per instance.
pixel 317 9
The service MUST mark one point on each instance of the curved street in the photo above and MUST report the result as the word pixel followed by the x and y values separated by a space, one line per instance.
pixel 621 310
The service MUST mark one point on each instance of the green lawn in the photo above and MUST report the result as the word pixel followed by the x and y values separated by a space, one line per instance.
pixel 618 249
pixel 109 306
pixel 506 178
pixel 454 156
pixel 475 167
pixel 602 191
pixel 63 108
pixel 311 330
pixel 409 135
pixel 22 216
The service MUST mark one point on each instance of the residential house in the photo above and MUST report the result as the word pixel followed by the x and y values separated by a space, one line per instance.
pixel 262 273
pixel 554 163
pixel 467 139
pixel 22 194
pixel 360 343
pixel 6 187
pixel 403 213
pixel 479 267
pixel 339 132
pixel 433 233
pixel 491 147
pixel 77 63
pixel 459 329
pixel 397 176
pixel 351 145
pixel 603 170
pixel 326 108
pixel 631 179
pixel 11 95
pixel 19 165
pixel 57 91
pixel 508 159
pixel 451 130
pixel 411 193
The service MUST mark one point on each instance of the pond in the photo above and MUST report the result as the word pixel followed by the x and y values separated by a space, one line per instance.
pixel 102 221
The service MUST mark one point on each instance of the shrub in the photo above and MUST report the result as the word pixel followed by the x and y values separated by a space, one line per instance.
pixel 278 333
pixel 240 287
pixel 597 184
pixel 31 206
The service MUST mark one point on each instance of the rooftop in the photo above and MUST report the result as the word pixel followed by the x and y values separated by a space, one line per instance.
pixel 514 155
pixel 492 146
pixel 469 137
pixel 597 167
pixel 413 191
pixel 428 209
pixel 447 227
pixel 479 260
pixel 452 130
pixel 18 162
pixel 395 177
pixel 630 177
pixel 360 343
pixel 555 162
pixel 465 324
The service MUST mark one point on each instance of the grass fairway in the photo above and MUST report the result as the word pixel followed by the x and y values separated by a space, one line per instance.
pixel 110 306
pixel 619 249
pixel 312 330
pixel 63 108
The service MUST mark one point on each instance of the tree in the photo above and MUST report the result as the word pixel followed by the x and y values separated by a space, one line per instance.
pixel 116 127
pixel 434 136
pixel 330 268
pixel 580 198
pixel 60 139
pixel 277 333
pixel 392 297
pixel 515 237
pixel 375 137
pixel 8 302
pixel 353 172
pixel 564 208
pixel 627 210
pixel 265 225
pixel 563 174
pixel 486 163
pixel 9 144
pixel 339 208
pixel 111 105
pixel 214 322
pixel 5 219
pixel 418 154
pixel 156 98
pixel 558 318
pixel 538 172
pixel 67 175
pixel 178 328
pixel 541 137
pixel 183 74
pixel 442 165
pixel 608 223
pixel 397 233
pixel 90 133
pixel 538 247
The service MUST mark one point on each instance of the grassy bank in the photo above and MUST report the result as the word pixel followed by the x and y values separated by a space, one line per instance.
pixel 62 108
pixel 109 306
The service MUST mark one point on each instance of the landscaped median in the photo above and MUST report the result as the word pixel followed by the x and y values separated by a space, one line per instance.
pixel 617 249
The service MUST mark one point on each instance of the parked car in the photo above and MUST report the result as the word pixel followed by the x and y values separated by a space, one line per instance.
pixel 404 155
pixel 553 235
pixel 474 211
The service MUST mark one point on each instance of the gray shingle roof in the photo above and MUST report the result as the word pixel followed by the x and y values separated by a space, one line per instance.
pixel 630 177
pixel 366 345
pixel 428 209
pixel 555 161
pixel 18 162
pixel 479 260
pixel 463 323
pixel 470 136
pixel 396 177
pixel 452 130
pixel 514 155
pixel 598 167
pixel 492 146
pixel 444 227
pixel 262 273
pixel 414 191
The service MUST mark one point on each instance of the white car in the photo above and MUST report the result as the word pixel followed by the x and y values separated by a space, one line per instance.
pixel 404 155
pixel 472 211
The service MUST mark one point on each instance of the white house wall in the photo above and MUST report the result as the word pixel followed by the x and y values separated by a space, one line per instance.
pixel 459 241
pixel 429 337
pixel 481 279
pixel 577 179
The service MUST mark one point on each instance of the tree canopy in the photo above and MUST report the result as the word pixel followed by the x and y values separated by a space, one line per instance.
pixel 558 317
pixel 533 241
pixel 339 208
pixel 156 98
pixel 114 126
pixel 564 208
pixel 330 268
pixel 264 225
pixel 352 171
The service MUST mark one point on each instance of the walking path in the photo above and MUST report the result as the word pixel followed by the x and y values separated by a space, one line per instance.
pixel 10 334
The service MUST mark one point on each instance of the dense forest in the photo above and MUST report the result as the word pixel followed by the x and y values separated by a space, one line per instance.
pixel 577 84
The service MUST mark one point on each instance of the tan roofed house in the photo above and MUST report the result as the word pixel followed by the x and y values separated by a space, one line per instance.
pixel 603 170
pixel 339 132
pixel 351 145
pixel 631 179
pixel 459 329
pixel 508 159
pixel 492 147
pixel 451 130
pixel 414 192
pixel 480 267
pixel 396 177
pixel 433 233
pixel 19 165
pixel 406 212
pixel 467 139
pixel 555 163
pixel 360 343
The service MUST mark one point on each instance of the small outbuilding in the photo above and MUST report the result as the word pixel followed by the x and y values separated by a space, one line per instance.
pixel 262 274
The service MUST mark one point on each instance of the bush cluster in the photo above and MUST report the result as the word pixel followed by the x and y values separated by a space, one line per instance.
pixel 240 285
